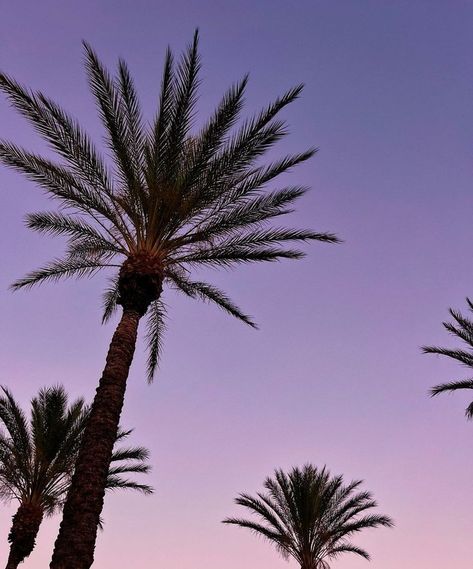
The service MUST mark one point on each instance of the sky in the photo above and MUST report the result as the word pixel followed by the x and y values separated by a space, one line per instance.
pixel 335 375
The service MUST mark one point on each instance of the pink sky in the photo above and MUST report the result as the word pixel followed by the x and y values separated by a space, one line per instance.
pixel 335 375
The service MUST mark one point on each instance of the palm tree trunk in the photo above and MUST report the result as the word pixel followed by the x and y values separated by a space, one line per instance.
pixel 13 560
pixel 12 563
pixel 22 536
pixel 75 544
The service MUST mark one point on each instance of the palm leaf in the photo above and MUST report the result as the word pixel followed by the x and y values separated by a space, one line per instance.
pixel 61 268
pixel 156 325
pixel 209 293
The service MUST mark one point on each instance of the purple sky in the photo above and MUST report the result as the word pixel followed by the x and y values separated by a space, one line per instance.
pixel 335 375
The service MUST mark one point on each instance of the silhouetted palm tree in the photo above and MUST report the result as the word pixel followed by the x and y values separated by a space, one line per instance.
pixel 174 199
pixel 461 328
pixel 310 515
pixel 37 459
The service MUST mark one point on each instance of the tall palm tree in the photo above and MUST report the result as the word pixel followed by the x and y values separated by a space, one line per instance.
pixel 310 515
pixel 174 198
pixel 461 327
pixel 37 459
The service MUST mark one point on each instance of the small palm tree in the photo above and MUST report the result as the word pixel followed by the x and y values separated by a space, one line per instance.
pixel 37 459
pixel 462 328
pixel 175 198
pixel 310 515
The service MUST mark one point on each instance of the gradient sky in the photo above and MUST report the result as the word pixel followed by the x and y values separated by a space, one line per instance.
pixel 335 375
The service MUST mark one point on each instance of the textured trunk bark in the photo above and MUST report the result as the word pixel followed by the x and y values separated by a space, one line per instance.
pixel 12 563
pixel 22 536
pixel 75 544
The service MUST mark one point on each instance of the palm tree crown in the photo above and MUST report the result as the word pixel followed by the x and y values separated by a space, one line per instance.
pixel 38 456
pixel 310 515
pixel 175 198
pixel 461 327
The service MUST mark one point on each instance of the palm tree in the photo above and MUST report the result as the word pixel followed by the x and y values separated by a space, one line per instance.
pixel 310 515
pixel 37 459
pixel 175 198
pixel 461 328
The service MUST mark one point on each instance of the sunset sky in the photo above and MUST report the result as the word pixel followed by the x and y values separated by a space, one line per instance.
pixel 335 375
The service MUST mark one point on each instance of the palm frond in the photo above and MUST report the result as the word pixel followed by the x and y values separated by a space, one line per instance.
pixel 213 135
pixel 350 548
pixel 137 454
pixel 253 139
pixel 131 109
pixel 255 180
pixel 57 269
pixel 156 325
pixel 452 386
pixel 234 255
pixel 262 237
pixel 463 329
pixel 58 181
pixel 128 460
pixel 119 483
pixel 57 223
pixel 275 538
pixel 185 87
pixel 111 111
pixel 156 143
pixel 240 215
pixel 259 177
pixel 460 355
pixel 14 420
pixel 110 298
pixel 209 293
pixel 60 130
